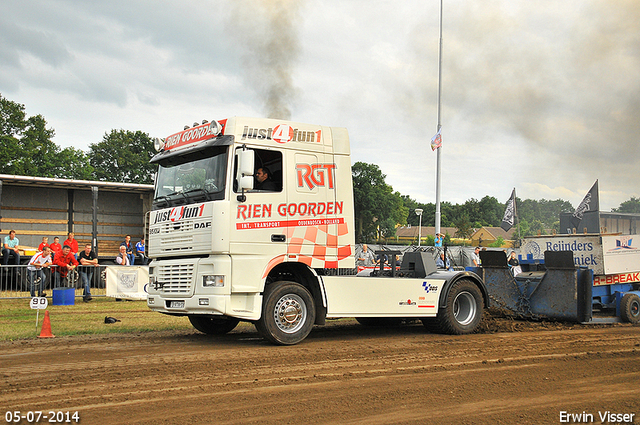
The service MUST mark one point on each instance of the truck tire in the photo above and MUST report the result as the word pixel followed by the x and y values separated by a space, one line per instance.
pixel 288 313
pixel 630 308
pixel 212 325
pixel 463 311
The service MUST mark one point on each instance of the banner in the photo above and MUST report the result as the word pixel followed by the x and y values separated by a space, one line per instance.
pixel 510 213
pixel 129 282
pixel 589 203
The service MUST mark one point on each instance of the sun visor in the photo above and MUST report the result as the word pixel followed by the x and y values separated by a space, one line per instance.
pixel 191 152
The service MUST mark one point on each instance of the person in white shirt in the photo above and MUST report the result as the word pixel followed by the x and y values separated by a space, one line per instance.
pixel 36 276
pixel 123 258
pixel 475 257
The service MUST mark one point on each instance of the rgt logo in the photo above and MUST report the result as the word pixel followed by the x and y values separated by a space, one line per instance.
pixel 178 213
pixel 313 175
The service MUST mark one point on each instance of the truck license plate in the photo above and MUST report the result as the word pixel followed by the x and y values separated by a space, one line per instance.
pixel 177 304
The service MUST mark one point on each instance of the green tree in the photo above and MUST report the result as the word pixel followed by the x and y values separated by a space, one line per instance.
pixel 545 211
pixel 377 207
pixel 12 122
pixel 464 227
pixel 74 164
pixel 27 148
pixel 123 156
pixel 497 243
pixel 428 212
pixel 630 206
pixel 38 154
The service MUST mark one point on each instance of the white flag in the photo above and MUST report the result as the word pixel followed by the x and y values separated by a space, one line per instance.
pixel 436 141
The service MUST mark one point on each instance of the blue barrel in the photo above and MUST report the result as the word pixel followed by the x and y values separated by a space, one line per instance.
pixel 64 296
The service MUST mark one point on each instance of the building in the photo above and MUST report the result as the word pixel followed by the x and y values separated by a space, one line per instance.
pixel 101 213
pixel 601 222
pixel 485 236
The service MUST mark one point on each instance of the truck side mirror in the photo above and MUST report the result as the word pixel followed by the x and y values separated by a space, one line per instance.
pixel 246 161
pixel 246 183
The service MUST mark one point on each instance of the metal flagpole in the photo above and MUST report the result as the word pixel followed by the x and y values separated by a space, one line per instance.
pixel 438 129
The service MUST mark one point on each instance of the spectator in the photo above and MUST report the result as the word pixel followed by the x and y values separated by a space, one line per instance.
pixel 64 262
pixel 45 242
pixel 88 261
pixel 140 251
pixel 55 247
pixel 441 262
pixel 73 244
pixel 129 249
pixel 475 257
pixel 514 264
pixel 366 257
pixel 438 239
pixel 36 276
pixel 10 248
pixel 382 258
pixel 123 258
pixel 513 260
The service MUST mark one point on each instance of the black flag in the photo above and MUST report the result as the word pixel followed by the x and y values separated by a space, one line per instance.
pixel 589 203
pixel 510 213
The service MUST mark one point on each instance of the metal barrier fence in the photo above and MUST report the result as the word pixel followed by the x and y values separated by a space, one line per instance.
pixel 18 281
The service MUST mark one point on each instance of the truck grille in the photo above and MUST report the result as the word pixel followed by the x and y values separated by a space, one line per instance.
pixel 175 278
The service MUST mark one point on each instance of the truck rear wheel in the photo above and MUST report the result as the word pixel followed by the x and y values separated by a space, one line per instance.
pixel 463 311
pixel 630 308
pixel 288 313
pixel 212 325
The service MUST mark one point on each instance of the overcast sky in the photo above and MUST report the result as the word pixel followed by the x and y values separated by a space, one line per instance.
pixel 542 96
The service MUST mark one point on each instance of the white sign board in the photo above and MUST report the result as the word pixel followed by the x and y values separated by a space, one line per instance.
pixel 621 253
pixel 127 282
pixel 39 303
pixel 587 250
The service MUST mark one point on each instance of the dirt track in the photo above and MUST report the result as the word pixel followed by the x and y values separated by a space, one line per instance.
pixel 342 373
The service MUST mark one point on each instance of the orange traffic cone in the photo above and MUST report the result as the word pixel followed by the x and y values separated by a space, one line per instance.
pixel 46 327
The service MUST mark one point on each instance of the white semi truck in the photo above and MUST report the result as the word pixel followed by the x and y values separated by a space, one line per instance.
pixel 253 220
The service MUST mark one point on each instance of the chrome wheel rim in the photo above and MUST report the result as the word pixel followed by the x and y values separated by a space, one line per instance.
pixel 464 308
pixel 290 313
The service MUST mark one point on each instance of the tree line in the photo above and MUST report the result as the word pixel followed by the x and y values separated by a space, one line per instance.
pixel 27 150
pixel 379 210
pixel 123 156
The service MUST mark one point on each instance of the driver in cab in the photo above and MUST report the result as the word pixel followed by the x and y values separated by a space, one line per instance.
pixel 263 180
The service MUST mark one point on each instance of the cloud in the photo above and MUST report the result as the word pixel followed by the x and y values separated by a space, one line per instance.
pixel 561 90
pixel 539 96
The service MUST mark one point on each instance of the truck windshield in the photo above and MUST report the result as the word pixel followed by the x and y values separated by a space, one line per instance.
pixel 192 181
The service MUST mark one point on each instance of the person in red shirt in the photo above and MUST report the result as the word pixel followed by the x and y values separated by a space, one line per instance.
pixel 45 242
pixel 73 244
pixel 55 246
pixel 64 262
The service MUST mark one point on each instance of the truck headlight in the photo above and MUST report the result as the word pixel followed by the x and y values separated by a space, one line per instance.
pixel 213 281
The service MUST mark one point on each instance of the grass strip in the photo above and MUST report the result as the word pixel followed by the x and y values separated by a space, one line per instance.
pixel 18 320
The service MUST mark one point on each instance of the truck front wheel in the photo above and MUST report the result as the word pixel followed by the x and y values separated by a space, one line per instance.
pixel 463 311
pixel 213 325
pixel 288 313
pixel 630 308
